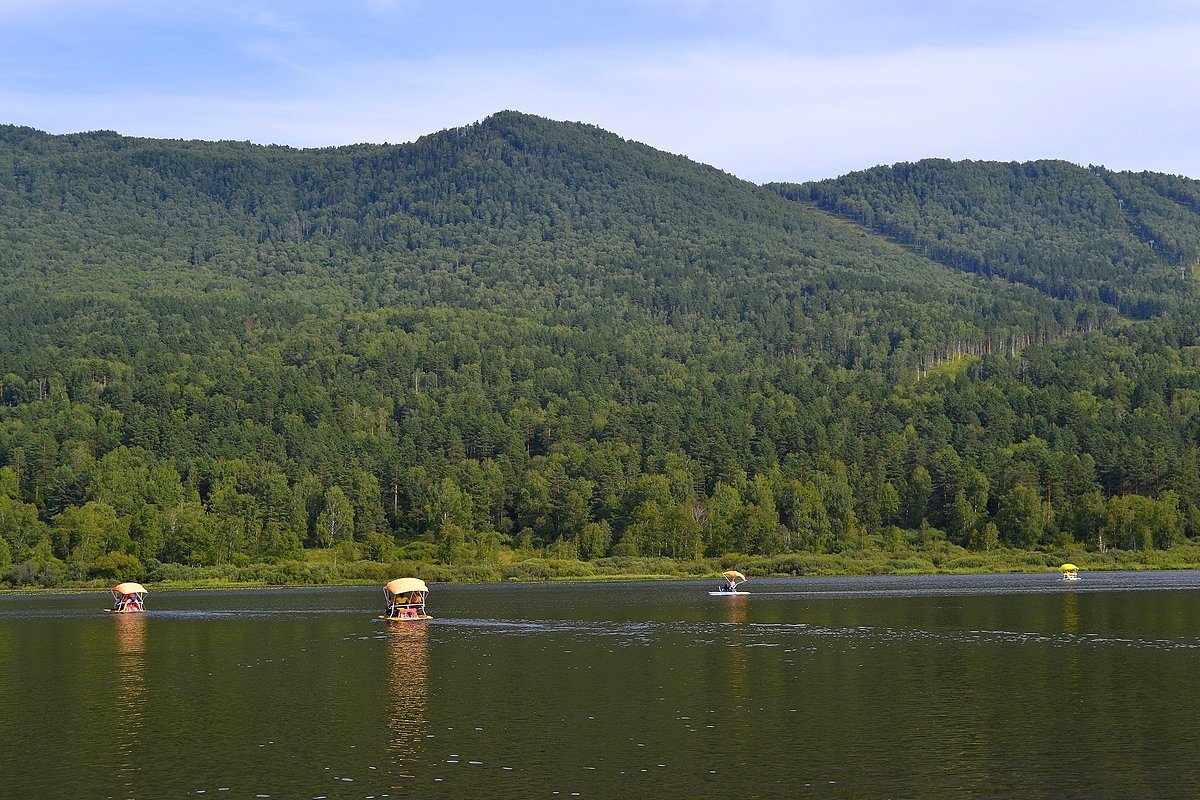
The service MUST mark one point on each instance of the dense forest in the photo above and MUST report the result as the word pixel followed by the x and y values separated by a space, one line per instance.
pixel 533 337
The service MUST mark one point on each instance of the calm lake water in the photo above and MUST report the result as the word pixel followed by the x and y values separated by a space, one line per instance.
pixel 1018 686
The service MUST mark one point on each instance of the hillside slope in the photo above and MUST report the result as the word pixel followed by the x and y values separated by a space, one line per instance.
pixel 1124 239
pixel 533 334
pixel 516 213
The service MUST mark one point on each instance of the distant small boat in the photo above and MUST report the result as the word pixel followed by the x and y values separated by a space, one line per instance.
pixel 1070 572
pixel 729 587
pixel 405 600
pixel 128 598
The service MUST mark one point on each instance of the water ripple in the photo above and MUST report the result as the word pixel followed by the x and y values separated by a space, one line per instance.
pixel 756 634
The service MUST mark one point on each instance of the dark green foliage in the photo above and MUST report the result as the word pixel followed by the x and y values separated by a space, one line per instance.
pixel 1123 240
pixel 535 336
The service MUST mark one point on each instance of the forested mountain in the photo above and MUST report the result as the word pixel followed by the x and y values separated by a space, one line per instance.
pixel 536 335
pixel 1126 240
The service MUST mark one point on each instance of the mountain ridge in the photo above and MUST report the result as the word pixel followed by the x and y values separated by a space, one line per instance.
pixel 1158 210
pixel 539 336
pixel 1028 221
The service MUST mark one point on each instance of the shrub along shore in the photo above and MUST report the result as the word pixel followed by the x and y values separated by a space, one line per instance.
pixel 321 568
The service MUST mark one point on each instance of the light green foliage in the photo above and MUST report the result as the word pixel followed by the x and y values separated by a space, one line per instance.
pixel 335 523
pixel 889 504
pixel 961 519
pixel 595 540
pixel 1020 518
pixel 83 533
pixel 985 537
pixel 116 567
pixel 725 509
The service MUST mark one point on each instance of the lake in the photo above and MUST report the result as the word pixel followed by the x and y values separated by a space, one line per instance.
pixel 1012 686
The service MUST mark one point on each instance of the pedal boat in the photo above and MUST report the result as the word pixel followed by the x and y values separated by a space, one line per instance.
pixel 128 598
pixel 405 600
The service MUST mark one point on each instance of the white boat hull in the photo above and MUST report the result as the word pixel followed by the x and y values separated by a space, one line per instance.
pixel 724 594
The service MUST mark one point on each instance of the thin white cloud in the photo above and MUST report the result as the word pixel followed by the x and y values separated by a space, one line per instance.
pixel 1115 96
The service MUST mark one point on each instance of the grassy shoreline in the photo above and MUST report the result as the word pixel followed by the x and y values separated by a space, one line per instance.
pixel 515 567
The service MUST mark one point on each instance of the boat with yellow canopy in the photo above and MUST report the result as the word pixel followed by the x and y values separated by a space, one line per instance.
pixel 405 599
pixel 127 598
pixel 732 579
pixel 1070 572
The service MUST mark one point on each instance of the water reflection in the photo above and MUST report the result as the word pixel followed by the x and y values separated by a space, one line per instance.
pixel 130 692
pixel 1070 613
pixel 408 686
pixel 735 608
pixel 654 691
pixel 737 669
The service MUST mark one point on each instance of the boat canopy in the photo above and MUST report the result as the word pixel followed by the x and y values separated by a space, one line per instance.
pixel 403 585
pixel 129 588
pixel 733 574
pixel 1069 568
pixel 405 599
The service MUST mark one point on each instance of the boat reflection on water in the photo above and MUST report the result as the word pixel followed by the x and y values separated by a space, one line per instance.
pixel 737 665
pixel 408 686
pixel 1071 613
pixel 735 609
pixel 130 692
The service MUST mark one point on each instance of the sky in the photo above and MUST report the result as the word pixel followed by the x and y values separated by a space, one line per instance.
pixel 768 90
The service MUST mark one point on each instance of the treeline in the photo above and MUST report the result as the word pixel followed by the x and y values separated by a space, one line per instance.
pixel 535 337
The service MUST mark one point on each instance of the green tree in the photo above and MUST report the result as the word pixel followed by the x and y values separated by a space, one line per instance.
pixel 335 523
pixel 961 519
pixel 1166 521
pixel 120 478
pixel 1019 518
pixel 117 567
pixel 20 526
pixel 450 539
pixel 595 538
pixel 237 523
pixel 447 501
pixel 83 534
pixel 1126 525
pixel 839 505
pixel 759 524
pixel 644 533
pixel 976 488
pixel 281 543
pixel 725 509
pixel 366 497
pixel 146 532
pixel 682 537
pixel 534 504
pixel 1086 519
pixel 920 489
pixel 308 499
pixel 189 535
pixel 985 537
pixel 889 504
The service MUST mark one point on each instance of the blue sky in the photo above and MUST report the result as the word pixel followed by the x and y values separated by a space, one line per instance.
pixel 765 89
